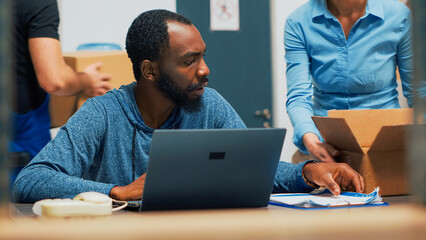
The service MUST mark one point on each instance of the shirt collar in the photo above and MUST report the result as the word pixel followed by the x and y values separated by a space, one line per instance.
pixel 374 7
pixel 320 9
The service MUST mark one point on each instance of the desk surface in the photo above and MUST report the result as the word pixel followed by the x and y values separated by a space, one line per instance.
pixel 400 220
pixel 25 210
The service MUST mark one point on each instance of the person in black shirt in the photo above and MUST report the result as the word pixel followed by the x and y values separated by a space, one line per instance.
pixel 40 70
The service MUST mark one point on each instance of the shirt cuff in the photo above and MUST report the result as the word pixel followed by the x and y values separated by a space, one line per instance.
pixel 300 131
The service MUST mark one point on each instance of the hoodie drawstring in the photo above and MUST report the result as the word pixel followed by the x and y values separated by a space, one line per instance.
pixel 133 154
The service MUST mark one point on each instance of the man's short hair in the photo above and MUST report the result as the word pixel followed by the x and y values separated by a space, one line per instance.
pixel 148 36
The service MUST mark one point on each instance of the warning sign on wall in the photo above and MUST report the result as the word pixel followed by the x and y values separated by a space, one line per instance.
pixel 224 15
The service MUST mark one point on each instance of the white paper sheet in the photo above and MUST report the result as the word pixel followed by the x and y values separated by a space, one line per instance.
pixel 326 199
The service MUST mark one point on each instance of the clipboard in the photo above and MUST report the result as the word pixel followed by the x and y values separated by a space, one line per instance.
pixel 326 200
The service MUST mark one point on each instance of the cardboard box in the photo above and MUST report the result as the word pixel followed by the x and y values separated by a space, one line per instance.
pixel 373 142
pixel 115 63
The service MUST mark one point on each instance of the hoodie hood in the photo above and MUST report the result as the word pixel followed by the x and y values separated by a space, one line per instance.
pixel 126 98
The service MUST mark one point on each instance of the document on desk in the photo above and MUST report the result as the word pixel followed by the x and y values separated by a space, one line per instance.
pixel 326 199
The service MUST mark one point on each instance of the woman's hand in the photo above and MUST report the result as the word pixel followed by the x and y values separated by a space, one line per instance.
pixel 320 151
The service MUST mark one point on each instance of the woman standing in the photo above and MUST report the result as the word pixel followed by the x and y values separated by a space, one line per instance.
pixel 343 54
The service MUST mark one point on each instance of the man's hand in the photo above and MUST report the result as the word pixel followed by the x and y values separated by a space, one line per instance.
pixel 322 152
pixel 133 191
pixel 95 82
pixel 334 176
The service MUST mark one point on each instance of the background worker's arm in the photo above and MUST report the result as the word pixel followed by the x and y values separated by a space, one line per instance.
pixel 57 78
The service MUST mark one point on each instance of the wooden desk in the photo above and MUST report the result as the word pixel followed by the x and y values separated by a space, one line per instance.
pixel 397 221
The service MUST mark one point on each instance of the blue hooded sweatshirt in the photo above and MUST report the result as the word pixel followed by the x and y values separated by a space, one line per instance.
pixel 94 151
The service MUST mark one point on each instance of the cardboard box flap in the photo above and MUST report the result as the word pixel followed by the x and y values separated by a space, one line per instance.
pixel 393 138
pixel 390 138
pixel 336 132
pixel 366 124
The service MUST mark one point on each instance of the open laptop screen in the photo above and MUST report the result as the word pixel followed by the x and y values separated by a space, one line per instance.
pixel 211 168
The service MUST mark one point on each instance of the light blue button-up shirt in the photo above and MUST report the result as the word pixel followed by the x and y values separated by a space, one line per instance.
pixel 326 71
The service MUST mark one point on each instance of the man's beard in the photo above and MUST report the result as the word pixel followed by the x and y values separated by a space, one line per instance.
pixel 179 96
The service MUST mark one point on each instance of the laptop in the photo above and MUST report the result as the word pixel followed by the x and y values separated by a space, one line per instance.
pixel 211 168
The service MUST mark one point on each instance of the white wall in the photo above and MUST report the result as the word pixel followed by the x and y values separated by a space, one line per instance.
pixel 84 21
pixel 280 9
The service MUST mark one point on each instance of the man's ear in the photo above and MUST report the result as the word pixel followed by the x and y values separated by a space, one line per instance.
pixel 149 70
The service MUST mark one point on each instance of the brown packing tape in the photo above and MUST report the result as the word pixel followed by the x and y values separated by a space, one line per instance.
pixel 369 175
